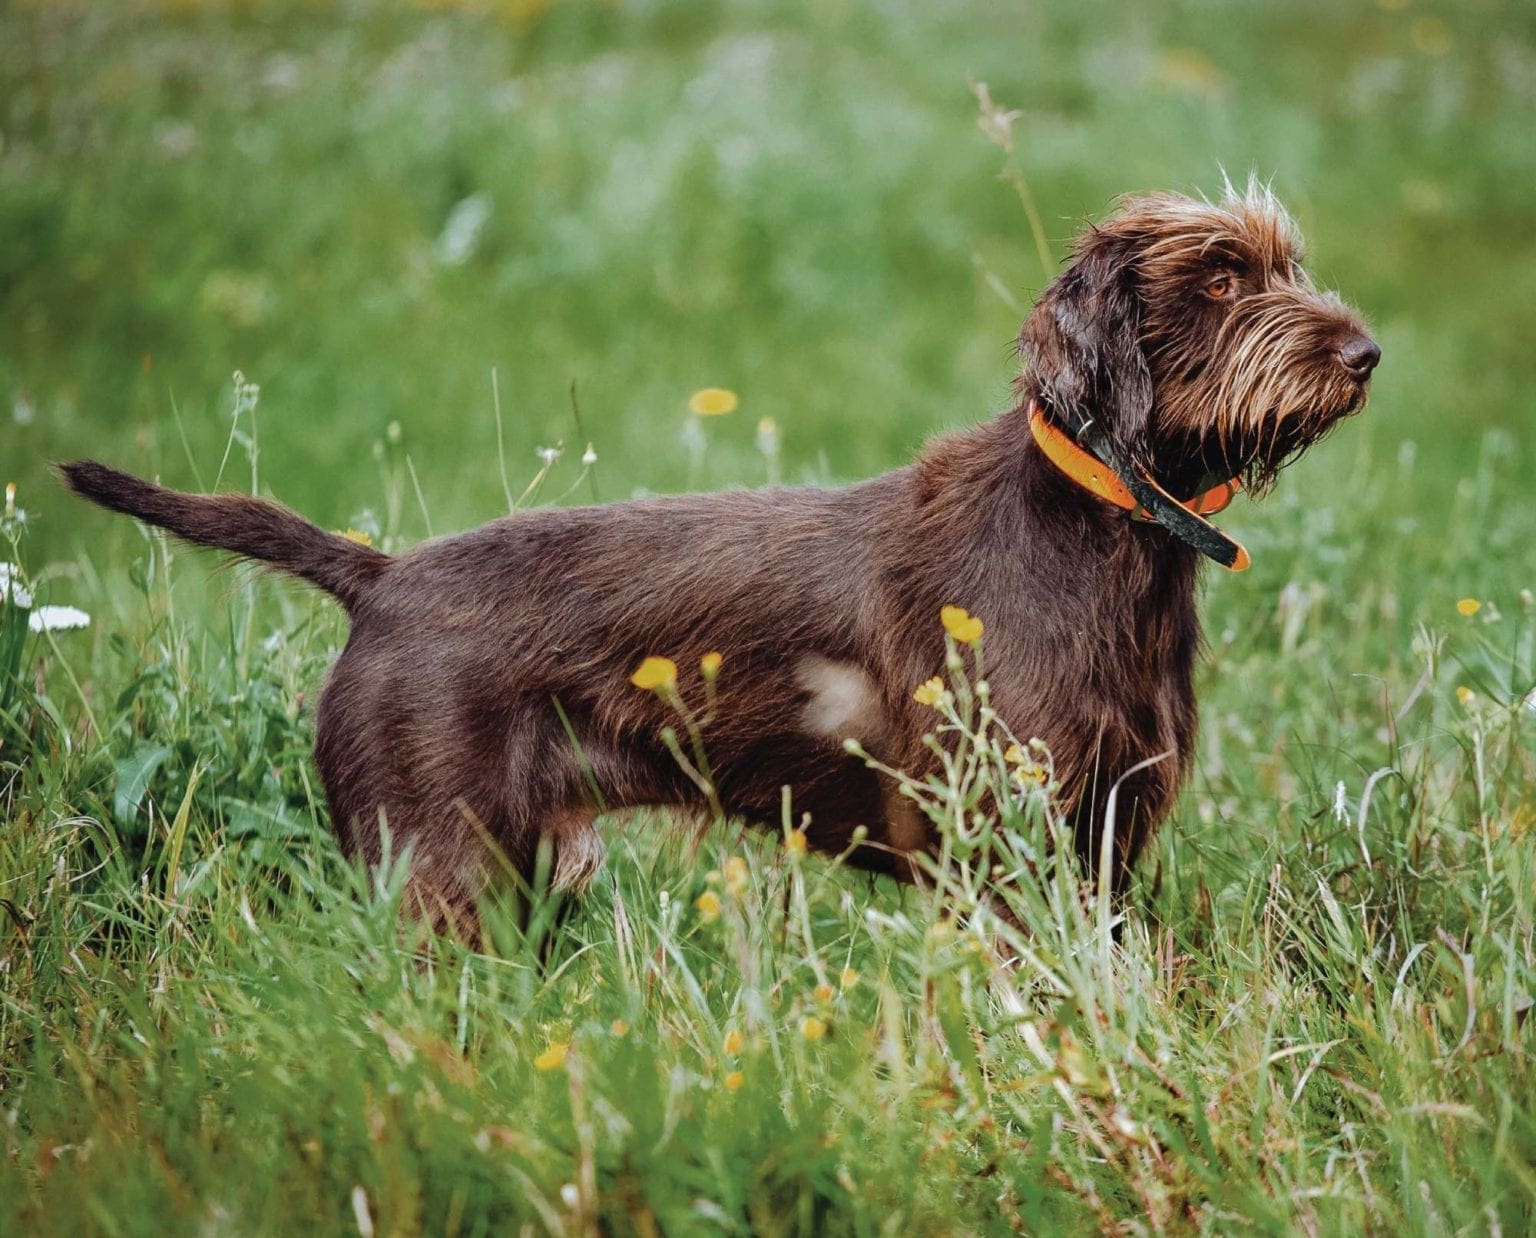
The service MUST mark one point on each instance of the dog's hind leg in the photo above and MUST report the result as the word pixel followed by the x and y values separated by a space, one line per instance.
pixel 578 850
pixel 545 827
pixel 403 785
pixel 547 859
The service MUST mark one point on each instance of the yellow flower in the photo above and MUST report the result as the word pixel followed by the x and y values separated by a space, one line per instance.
pixel 734 1080
pixel 655 673
pixel 849 978
pixel 1030 775
pixel 713 401
pixel 358 536
pixel 736 876
pixel 930 693
pixel 1468 607
pixel 553 1058
pixel 1465 694
pixel 812 1028
pixel 708 904
pixel 961 624
pixel 794 842
pixel 619 1028
pixel 824 992
pixel 710 664
pixel 733 1042
pixel 1028 770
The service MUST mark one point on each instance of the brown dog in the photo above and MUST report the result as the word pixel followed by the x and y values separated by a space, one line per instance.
pixel 1183 343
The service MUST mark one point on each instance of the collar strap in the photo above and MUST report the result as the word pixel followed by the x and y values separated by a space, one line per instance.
pixel 1133 491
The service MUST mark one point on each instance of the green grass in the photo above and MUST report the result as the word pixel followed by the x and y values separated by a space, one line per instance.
pixel 1316 1014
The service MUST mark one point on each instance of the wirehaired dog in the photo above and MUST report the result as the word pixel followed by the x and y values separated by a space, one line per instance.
pixel 483 701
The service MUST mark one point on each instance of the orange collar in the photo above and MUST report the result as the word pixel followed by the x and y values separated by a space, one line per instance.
pixel 1096 477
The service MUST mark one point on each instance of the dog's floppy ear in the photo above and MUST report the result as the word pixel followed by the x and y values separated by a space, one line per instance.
pixel 1081 349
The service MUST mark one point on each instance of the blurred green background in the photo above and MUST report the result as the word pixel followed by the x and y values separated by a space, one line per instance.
pixel 1317 1018
pixel 367 209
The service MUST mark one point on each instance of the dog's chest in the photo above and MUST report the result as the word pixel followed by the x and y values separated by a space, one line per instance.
pixel 1105 688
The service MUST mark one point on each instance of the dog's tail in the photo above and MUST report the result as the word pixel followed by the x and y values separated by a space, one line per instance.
pixel 248 526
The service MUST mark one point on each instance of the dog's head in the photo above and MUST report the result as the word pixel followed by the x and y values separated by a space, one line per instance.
pixel 1189 331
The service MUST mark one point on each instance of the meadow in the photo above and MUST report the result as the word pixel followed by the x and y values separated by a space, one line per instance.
pixel 400 266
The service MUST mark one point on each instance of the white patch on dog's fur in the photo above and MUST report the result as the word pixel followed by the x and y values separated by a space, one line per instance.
pixel 844 701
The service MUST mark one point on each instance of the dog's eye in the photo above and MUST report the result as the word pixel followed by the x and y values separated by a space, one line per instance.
pixel 1221 288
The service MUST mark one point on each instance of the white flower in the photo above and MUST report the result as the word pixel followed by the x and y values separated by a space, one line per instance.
pixel 549 455
pixel 589 457
pixel 57 619
pixel 461 234
pixel 768 437
pixel 11 588
pixel 247 395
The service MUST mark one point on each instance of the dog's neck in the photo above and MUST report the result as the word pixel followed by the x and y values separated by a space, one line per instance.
pixel 1080 448
pixel 999 487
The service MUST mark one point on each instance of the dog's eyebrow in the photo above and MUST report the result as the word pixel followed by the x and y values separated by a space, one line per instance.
pixel 1204 247
pixel 1224 256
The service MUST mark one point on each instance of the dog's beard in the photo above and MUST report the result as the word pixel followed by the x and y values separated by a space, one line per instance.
pixel 1269 406
pixel 1262 451
pixel 1265 389
pixel 1250 445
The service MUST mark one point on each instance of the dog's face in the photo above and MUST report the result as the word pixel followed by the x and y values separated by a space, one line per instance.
pixel 1190 330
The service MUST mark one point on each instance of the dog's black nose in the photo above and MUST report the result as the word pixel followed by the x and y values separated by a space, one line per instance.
pixel 1359 355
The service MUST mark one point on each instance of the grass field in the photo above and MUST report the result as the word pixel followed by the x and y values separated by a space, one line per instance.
pixel 393 220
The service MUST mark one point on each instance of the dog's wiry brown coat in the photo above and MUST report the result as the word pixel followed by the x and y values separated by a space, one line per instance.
pixel 1185 328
